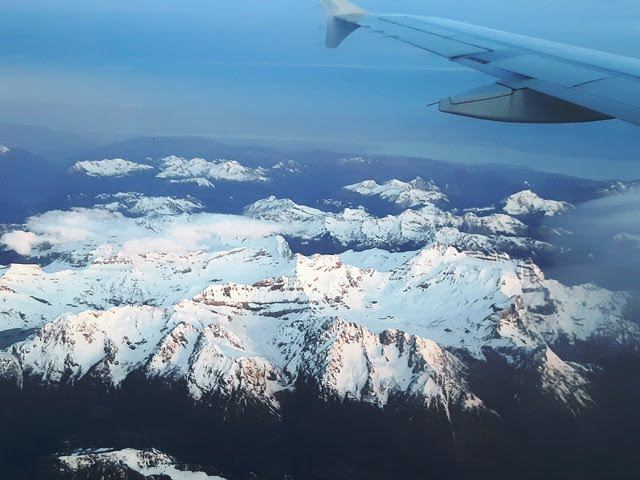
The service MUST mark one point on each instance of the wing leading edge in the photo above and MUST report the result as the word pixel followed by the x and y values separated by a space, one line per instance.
pixel 538 81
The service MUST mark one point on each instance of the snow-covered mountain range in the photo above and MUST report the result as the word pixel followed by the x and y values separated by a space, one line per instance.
pixel 180 170
pixel 356 227
pixel 115 167
pixel 220 304
pixel 174 167
pixel 136 204
pixel 417 192
pixel 280 318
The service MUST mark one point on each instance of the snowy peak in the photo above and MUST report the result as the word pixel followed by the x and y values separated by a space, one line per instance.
pixel 617 187
pixel 116 167
pixel 199 182
pixel 417 192
pixel 628 240
pixel 353 362
pixel 4 150
pixel 137 204
pixel 527 203
pixel 282 209
pixel 288 167
pixel 174 167
pixel 411 228
pixel 355 161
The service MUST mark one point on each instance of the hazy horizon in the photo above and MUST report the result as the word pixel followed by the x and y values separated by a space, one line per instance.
pixel 259 70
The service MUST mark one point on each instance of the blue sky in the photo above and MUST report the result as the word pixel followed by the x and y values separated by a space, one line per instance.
pixel 257 69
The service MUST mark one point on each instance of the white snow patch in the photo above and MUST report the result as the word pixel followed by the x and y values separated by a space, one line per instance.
pixel 199 182
pixel 116 167
pixel 145 462
pixel 527 202
pixel 137 204
pixel 174 167
pixel 417 192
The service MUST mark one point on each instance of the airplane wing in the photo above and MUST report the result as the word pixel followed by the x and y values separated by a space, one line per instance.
pixel 538 81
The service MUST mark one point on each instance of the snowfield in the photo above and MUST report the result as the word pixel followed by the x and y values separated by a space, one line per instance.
pixel 417 192
pixel 119 462
pixel 199 181
pixel 197 169
pixel 356 227
pixel 528 203
pixel 116 167
pixel 137 204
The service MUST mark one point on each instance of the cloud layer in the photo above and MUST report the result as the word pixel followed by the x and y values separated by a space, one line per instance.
pixel 81 233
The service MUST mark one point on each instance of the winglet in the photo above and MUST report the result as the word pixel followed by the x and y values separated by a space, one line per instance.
pixel 342 20
pixel 339 8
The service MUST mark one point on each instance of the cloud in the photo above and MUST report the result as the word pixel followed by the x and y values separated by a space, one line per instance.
pixel 205 232
pixel 605 240
pixel 628 240
pixel 223 227
pixel 138 246
pixel 77 225
pixel 20 241
pixel 615 213
pixel 81 233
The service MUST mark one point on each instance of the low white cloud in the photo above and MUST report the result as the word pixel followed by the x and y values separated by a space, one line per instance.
pixel 203 232
pixel 605 240
pixel 77 225
pixel 223 227
pixel 20 241
pixel 84 233
pixel 137 246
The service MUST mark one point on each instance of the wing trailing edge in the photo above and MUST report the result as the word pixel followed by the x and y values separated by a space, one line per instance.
pixel 500 103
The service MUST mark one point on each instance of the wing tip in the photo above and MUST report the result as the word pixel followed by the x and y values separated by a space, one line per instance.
pixel 337 31
pixel 339 8
pixel 341 22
